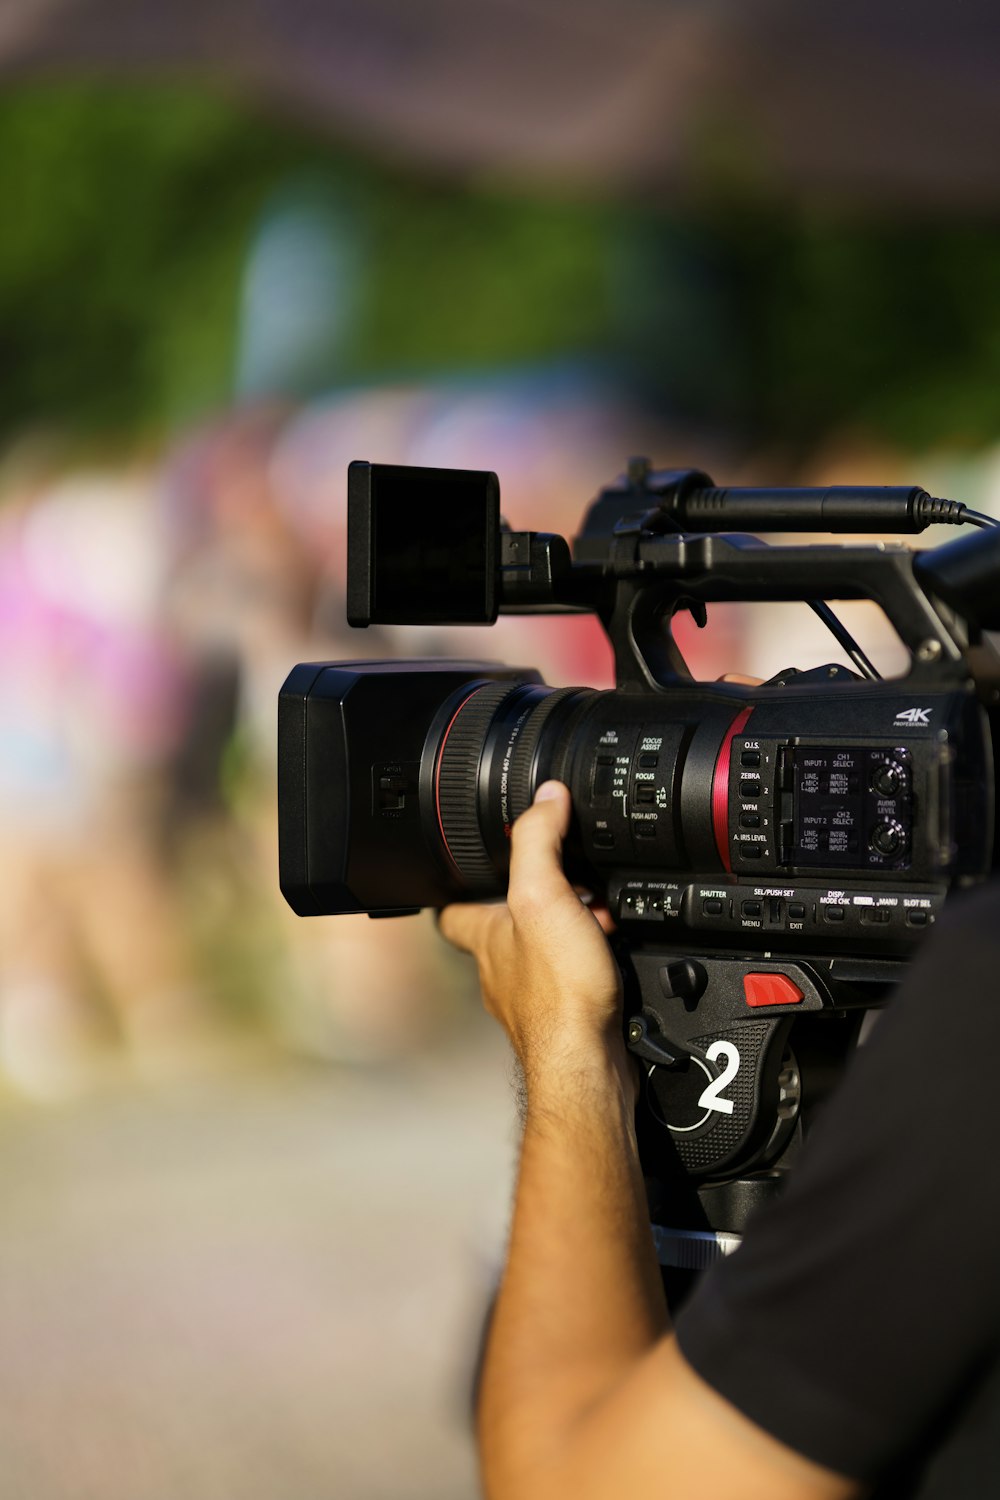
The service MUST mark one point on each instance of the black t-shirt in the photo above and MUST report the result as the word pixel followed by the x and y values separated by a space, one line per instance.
pixel 859 1322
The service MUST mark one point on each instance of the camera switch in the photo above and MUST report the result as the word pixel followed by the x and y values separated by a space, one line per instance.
pixel 392 792
pixel 604 775
pixel 640 903
pixel 685 979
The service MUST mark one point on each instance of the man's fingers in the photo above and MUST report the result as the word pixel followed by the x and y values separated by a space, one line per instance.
pixel 464 925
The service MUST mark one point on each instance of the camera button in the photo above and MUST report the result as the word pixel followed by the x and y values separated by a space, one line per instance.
pixel 796 911
pixel 751 908
pixel 832 913
pixel 749 820
pixel 604 839
pixel 712 907
pixel 644 829
pixel 750 758
pixel 750 786
pixel 771 989
pixel 751 851
pixel 917 917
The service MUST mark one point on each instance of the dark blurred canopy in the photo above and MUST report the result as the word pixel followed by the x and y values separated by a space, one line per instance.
pixel 881 102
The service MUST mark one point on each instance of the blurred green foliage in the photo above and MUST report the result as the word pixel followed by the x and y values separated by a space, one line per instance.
pixel 128 213
pixel 890 326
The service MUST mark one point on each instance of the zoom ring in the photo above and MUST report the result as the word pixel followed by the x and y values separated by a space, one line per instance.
pixel 458 785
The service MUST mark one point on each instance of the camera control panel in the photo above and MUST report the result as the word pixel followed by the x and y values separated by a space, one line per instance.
pixel 820 806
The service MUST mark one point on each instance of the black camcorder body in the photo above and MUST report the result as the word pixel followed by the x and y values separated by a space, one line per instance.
pixel 772 854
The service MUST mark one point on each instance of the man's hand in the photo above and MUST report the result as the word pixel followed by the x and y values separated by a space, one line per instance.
pixel 546 970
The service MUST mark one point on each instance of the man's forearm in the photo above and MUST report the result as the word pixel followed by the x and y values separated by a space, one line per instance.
pixel 581 1301
pixel 581 1398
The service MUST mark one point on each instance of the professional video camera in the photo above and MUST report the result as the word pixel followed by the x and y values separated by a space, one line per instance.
pixel 772 854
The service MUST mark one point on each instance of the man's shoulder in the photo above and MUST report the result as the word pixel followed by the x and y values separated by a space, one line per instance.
pixel 961 953
pixel 975 910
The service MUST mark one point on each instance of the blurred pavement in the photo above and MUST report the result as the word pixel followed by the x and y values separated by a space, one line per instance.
pixel 264 1284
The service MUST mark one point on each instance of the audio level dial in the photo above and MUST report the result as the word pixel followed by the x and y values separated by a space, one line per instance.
pixel 888 838
pixel 887 778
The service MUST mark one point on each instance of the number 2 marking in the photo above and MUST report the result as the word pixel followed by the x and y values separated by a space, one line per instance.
pixel 710 1097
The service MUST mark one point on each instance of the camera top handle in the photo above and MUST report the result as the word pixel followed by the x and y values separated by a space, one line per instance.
pixel 635 572
pixel 668 573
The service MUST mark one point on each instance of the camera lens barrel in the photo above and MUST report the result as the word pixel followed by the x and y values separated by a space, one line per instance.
pixel 493 752
pixel 494 742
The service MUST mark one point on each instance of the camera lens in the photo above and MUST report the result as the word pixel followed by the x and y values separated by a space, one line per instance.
pixel 490 750
pixel 399 784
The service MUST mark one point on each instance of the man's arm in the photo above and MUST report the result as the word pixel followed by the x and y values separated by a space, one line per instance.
pixel 585 1393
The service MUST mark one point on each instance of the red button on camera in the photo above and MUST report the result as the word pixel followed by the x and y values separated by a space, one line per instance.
pixel 770 989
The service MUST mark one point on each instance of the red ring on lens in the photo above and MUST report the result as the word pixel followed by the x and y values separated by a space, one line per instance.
pixel 720 788
pixel 437 771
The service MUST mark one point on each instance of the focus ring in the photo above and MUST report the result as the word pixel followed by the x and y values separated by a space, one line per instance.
pixel 458 784
pixel 520 773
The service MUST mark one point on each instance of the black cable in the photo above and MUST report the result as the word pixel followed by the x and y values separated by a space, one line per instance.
pixel 845 639
pixel 977 518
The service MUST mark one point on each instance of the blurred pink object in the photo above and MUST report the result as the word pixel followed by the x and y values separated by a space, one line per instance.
pixel 89 688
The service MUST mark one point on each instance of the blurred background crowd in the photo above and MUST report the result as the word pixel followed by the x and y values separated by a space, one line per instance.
pixel 240 247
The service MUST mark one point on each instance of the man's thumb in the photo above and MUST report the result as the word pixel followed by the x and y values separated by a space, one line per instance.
pixel 537 836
